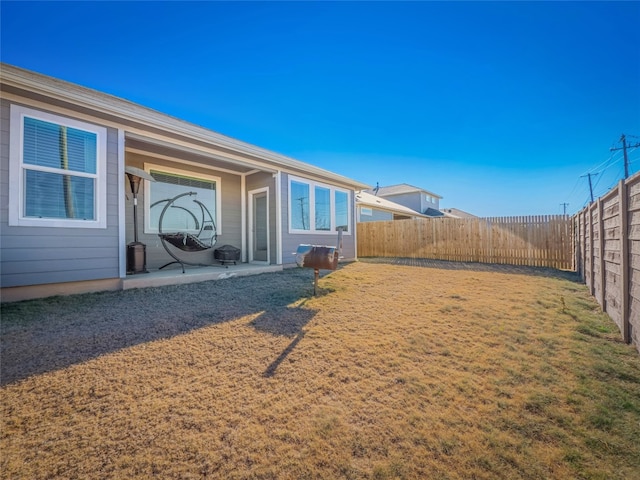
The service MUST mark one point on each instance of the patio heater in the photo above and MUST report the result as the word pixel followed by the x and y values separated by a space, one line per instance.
pixel 136 251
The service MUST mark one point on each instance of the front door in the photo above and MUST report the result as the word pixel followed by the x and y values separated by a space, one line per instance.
pixel 259 236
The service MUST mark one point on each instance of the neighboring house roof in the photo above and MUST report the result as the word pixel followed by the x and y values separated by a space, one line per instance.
pixel 365 199
pixel 400 189
pixel 432 212
pixel 457 213
pixel 118 110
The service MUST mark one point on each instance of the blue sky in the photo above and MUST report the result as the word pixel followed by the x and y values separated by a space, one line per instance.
pixel 499 107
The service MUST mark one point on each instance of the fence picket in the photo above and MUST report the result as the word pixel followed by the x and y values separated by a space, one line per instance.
pixel 533 241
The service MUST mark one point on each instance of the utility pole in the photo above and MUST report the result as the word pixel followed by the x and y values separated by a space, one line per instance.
pixel 301 200
pixel 624 147
pixel 564 208
pixel 589 175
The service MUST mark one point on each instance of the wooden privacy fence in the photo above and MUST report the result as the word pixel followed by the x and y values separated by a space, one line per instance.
pixel 539 241
pixel 608 254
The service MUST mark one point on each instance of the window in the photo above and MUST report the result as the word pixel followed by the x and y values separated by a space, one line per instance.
pixel 300 206
pixel 366 211
pixel 317 208
pixel 57 172
pixel 342 210
pixel 185 215
pixel 323 209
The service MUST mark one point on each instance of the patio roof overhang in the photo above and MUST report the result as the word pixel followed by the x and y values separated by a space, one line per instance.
pixel 190 154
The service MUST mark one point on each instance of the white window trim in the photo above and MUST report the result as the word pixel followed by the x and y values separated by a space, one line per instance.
pixel 153 229
pixel 16 171
pixel 312 207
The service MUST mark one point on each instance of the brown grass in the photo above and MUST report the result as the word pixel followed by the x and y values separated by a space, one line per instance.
pixel 391 372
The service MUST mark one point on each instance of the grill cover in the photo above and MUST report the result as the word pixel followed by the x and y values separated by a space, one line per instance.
pixel 227 253
pixel 317 257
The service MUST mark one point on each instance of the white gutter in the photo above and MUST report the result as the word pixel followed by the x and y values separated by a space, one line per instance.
pixel 278 178
pixel 122 249
pixel 243 218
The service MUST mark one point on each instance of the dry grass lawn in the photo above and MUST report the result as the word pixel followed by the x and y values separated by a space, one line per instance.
pixel 391 372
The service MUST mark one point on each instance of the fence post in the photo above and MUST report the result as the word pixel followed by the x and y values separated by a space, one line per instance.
pixel 601 250
pixel 583 250
pixel 579 241
pixel 624 261
pixel 585 258
pixel 592 274
pixel 576 244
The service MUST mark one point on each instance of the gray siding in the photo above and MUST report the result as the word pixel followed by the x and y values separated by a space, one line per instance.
pixel 230 223
pixel 435 204
pixel 415 200
pixel 290 241
pixel 31 255
pixel 377 216
pixel 41 255
pixel 411 200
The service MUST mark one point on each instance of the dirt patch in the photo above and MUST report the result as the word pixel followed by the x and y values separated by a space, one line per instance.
pixel 392 371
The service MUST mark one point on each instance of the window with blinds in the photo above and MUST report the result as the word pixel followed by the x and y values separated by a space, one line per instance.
pixel 60 171
pixel 56 164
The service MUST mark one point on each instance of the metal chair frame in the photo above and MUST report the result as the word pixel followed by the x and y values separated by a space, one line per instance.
pixel 185 241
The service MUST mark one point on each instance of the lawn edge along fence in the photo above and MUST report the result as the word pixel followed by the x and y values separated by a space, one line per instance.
pixel 601 243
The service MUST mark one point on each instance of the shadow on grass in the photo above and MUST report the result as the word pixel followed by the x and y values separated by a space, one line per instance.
pixel 286 321
pixel 271 369
pixel 39 336
pixel 477 267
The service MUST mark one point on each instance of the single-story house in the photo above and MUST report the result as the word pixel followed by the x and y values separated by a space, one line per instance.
pixel 69 159
pixel 417 199
pixel 371 208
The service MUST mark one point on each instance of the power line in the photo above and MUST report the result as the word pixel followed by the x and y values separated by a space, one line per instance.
pixel 608 162
pixel 602 168
pixel 595 185
pixel 575 185
pixel 616 153
pixel 624 147
pixel 589 175
pixel 615 182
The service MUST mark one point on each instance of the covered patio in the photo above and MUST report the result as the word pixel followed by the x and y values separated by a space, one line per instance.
pixel 174 275
pixel 235 194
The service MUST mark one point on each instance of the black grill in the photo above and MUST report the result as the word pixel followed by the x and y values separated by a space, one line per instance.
pixel 227 253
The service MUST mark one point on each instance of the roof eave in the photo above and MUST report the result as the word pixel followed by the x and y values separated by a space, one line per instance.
pixel 133 112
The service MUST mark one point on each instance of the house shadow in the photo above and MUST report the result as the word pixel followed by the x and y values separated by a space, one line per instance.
pixel 39 336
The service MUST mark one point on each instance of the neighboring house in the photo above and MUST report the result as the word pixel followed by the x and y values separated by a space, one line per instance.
pixel 457 213
pixel 66 218
pixel 418 199
pixel 371 209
